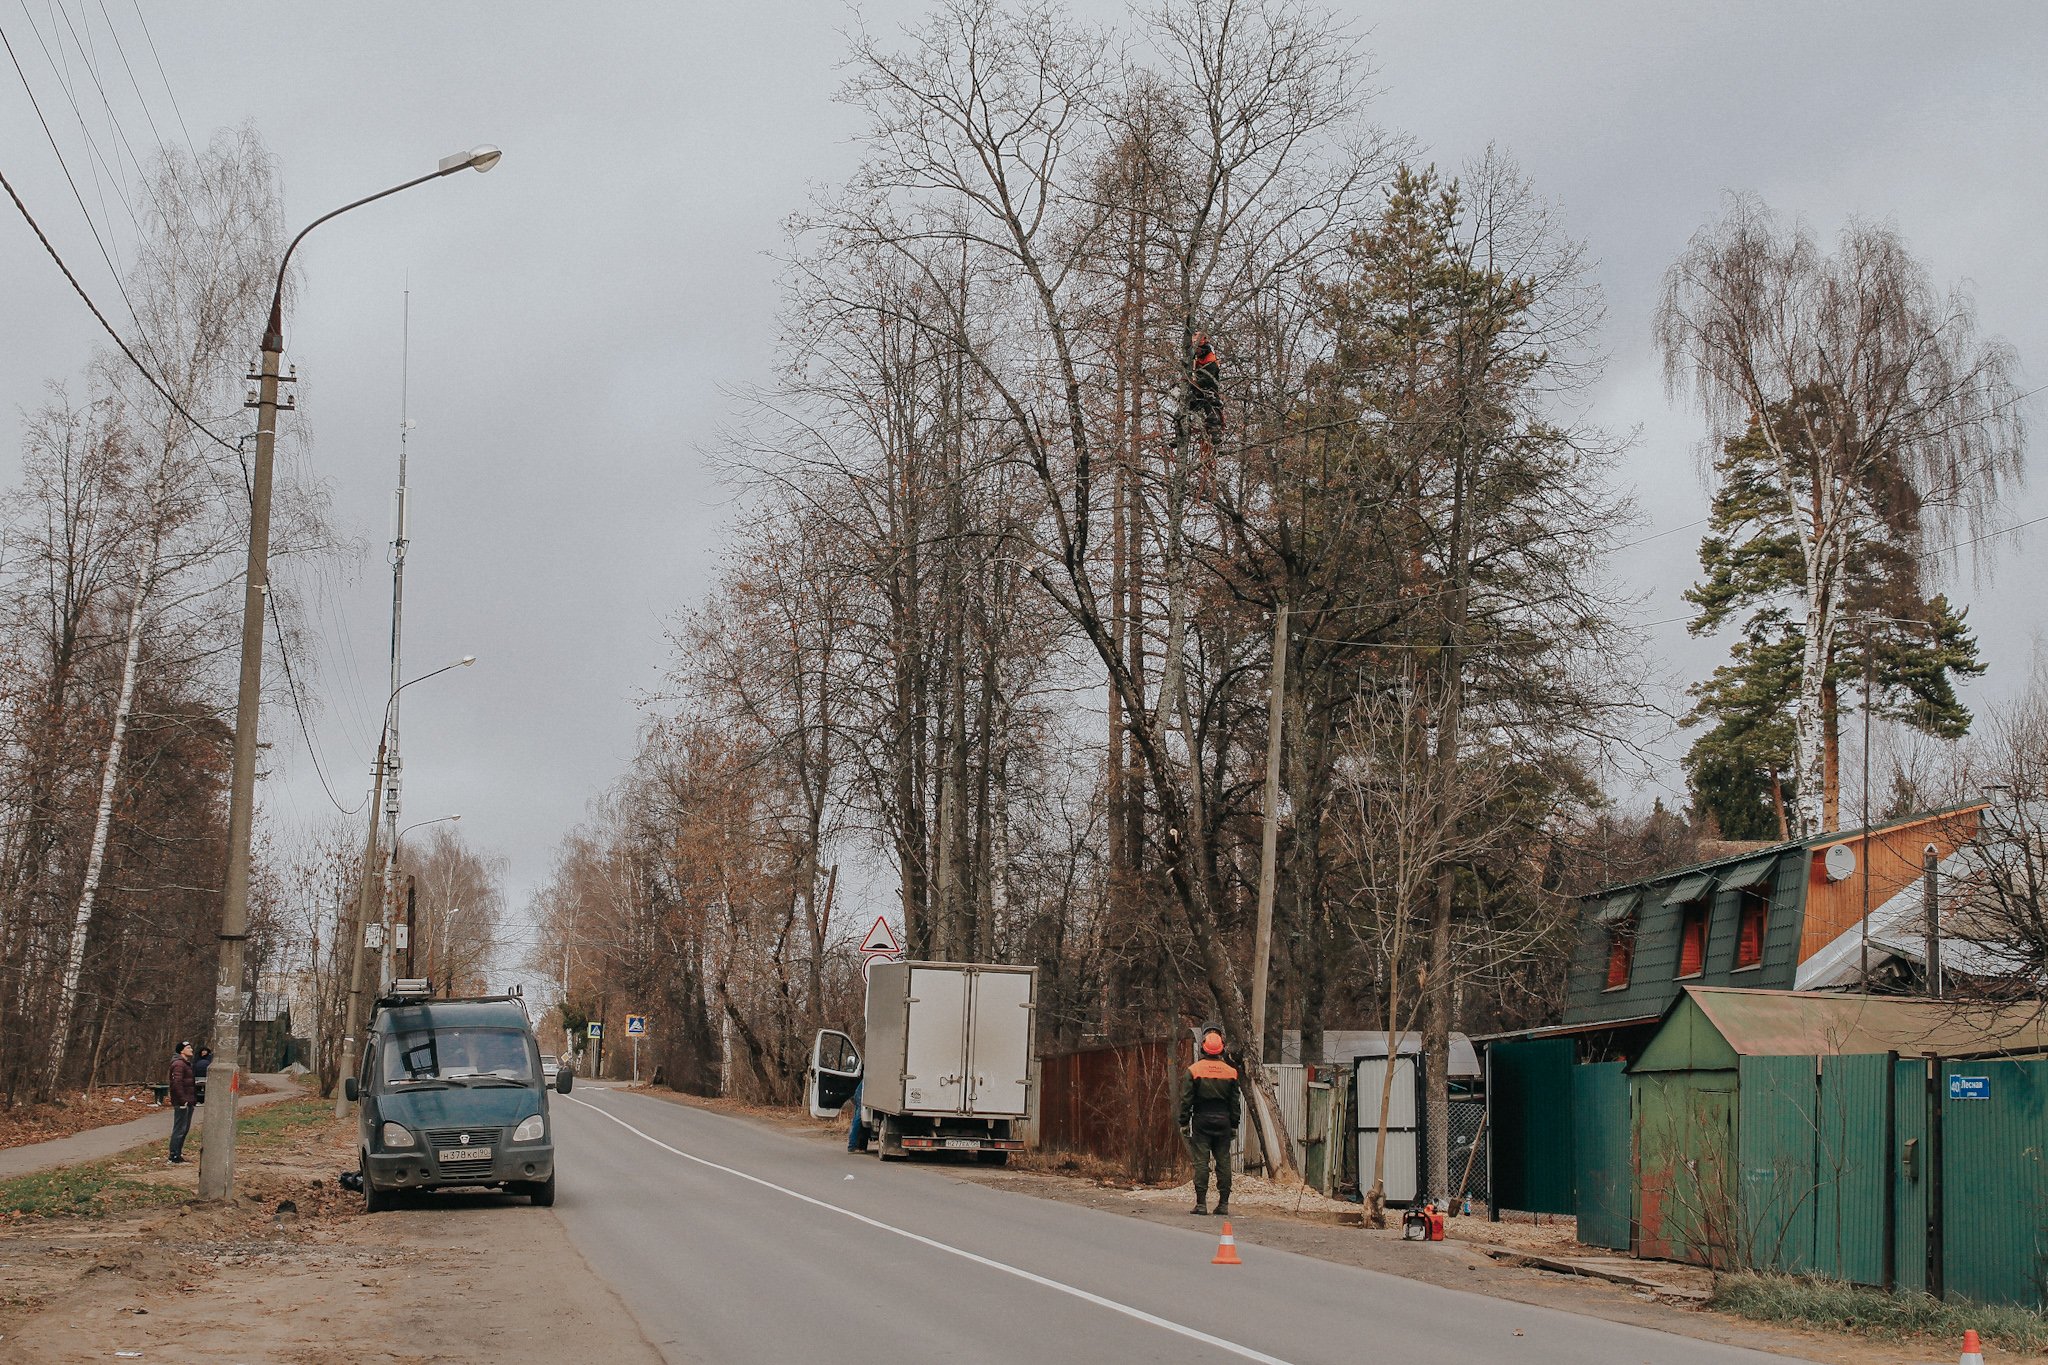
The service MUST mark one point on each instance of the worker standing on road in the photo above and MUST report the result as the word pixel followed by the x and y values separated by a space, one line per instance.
pixel 184 1094
pixel 1209 1110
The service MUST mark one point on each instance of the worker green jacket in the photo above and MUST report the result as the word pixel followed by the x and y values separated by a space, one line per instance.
pixel 1209 1101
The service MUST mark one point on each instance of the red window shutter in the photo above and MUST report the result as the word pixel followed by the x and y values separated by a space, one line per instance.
pixel 1692 940
pixel 1749 943
pixel 1621 954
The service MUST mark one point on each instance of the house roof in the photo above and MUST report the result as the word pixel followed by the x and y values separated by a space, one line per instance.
pixel 1898 928
pixel 1759 1023
pixel 1762 856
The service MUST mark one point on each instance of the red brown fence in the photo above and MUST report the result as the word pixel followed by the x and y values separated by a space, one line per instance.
pixel 1116 1103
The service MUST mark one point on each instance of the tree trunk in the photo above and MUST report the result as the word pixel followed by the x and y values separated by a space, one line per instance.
pixel 103 819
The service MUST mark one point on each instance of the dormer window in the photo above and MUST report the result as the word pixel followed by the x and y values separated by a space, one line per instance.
pixel 1751 881
pixel 1692 939
pixel 1617 916
pixel 1692 898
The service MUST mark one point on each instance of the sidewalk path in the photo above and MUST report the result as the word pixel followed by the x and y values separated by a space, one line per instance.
pixel 94 1143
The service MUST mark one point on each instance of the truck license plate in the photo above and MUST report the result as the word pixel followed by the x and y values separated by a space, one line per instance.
pixel 963 1144
pixel 465 1154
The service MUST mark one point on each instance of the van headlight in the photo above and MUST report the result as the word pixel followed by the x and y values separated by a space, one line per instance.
pixel 531 1129
pixel 397 1135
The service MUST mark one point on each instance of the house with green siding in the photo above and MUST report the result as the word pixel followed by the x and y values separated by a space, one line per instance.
pixel 1750 920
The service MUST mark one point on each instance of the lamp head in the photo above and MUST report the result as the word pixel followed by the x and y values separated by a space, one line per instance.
pixel 476 158
pixel 466 661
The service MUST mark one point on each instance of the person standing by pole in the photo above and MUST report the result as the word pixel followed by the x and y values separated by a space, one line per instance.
pixel 1209 1111
pixel 184 1095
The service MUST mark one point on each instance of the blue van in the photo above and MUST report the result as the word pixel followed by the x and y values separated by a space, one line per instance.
pixel 451 1093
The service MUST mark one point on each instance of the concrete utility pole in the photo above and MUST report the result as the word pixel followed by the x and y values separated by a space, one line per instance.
pixel 217 1134
pixel 217 1152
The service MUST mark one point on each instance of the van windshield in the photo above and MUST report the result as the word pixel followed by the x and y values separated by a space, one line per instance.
pixel 463 1055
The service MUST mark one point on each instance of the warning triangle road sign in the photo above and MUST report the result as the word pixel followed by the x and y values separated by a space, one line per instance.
pixel 881 939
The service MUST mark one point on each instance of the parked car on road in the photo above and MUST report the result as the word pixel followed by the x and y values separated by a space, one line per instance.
pixel 550 1067
pixel 451 1093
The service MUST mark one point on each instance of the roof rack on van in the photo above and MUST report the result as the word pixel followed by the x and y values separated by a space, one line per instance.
pixel 419 991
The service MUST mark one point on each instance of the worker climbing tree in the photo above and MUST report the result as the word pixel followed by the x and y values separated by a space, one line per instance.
pixel 1205 386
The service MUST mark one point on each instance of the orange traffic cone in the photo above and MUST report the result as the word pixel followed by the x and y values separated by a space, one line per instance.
pixel 1973 1354
pixel 1226 1251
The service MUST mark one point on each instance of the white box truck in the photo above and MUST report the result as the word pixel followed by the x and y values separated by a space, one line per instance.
pixel 948 1059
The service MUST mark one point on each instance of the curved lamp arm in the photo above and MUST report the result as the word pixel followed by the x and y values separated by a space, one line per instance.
pixel 481 158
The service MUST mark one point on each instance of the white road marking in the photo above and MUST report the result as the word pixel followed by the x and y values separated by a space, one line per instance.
pixel 1167 1324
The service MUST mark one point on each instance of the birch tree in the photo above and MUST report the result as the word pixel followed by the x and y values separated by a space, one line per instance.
pixel 1883 413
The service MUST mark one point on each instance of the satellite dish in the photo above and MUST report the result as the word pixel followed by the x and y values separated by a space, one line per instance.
pixel 1840 862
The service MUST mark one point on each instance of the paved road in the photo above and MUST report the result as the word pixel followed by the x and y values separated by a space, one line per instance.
pixel 94 1143
pixel 733 1243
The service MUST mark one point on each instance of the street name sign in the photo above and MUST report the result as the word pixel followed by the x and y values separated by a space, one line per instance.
pixel 1969 1087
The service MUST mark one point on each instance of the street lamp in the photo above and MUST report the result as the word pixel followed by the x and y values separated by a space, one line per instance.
pixel 368 888
pixel 217 1157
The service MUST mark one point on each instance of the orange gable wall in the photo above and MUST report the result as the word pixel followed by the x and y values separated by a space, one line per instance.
pixel 1893 856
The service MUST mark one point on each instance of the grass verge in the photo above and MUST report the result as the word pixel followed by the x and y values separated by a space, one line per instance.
pixel 95 1189
pixel 1809 1301
pixel 92 1189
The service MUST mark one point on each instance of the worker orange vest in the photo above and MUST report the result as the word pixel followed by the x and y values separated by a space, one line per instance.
pixel 1213 1069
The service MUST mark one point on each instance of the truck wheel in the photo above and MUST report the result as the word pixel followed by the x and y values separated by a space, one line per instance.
pixel 993 1158
pixel 374 1199
pixel 542 1192
pixel 889 1142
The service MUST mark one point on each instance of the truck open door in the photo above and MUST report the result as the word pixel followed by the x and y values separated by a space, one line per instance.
pixel 834 1073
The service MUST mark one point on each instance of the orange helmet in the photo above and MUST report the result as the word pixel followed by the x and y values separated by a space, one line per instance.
pixel 1212 1041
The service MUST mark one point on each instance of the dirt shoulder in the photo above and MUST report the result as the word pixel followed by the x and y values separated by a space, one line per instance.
pixel 1262 1217
pixel 293 1271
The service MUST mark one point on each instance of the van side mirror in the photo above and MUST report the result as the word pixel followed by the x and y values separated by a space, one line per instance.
pixel 563 1079
pixel 350 1090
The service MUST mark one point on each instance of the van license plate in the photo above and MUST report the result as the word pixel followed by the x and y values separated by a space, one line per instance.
pixel 465 1154
pixel 963 1144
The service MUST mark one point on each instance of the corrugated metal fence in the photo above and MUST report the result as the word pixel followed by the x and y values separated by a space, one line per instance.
pixel 1116 1104
pixel 1905 1173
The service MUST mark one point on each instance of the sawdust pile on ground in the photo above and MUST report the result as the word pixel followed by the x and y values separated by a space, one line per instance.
pixel 1253 1192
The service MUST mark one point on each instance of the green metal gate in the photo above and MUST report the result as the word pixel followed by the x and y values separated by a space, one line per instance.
pixel 1529 1104
pixel 1993 1189
pixel 1603 1170
pixel 1775 1143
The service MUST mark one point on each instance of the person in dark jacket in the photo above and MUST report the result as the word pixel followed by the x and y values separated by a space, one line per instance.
pixel 1205 386
pixel 1209 1110
pixel 184 1094
pixel 199 1064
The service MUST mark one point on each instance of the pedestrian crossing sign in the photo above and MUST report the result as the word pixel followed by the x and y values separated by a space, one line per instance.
pixel 596 1030
pixel 636 1024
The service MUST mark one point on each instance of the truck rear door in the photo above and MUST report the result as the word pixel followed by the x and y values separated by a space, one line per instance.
pixel 935 1041
pixel 999 1043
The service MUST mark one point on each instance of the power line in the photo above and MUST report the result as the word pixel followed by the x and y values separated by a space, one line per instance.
pixel 158 57
pixel 62 164
pixel 133 359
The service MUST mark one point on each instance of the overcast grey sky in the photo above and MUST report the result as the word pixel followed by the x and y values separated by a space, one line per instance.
pixel 578 311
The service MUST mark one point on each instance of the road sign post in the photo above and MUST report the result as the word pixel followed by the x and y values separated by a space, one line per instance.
pixel 636 1028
